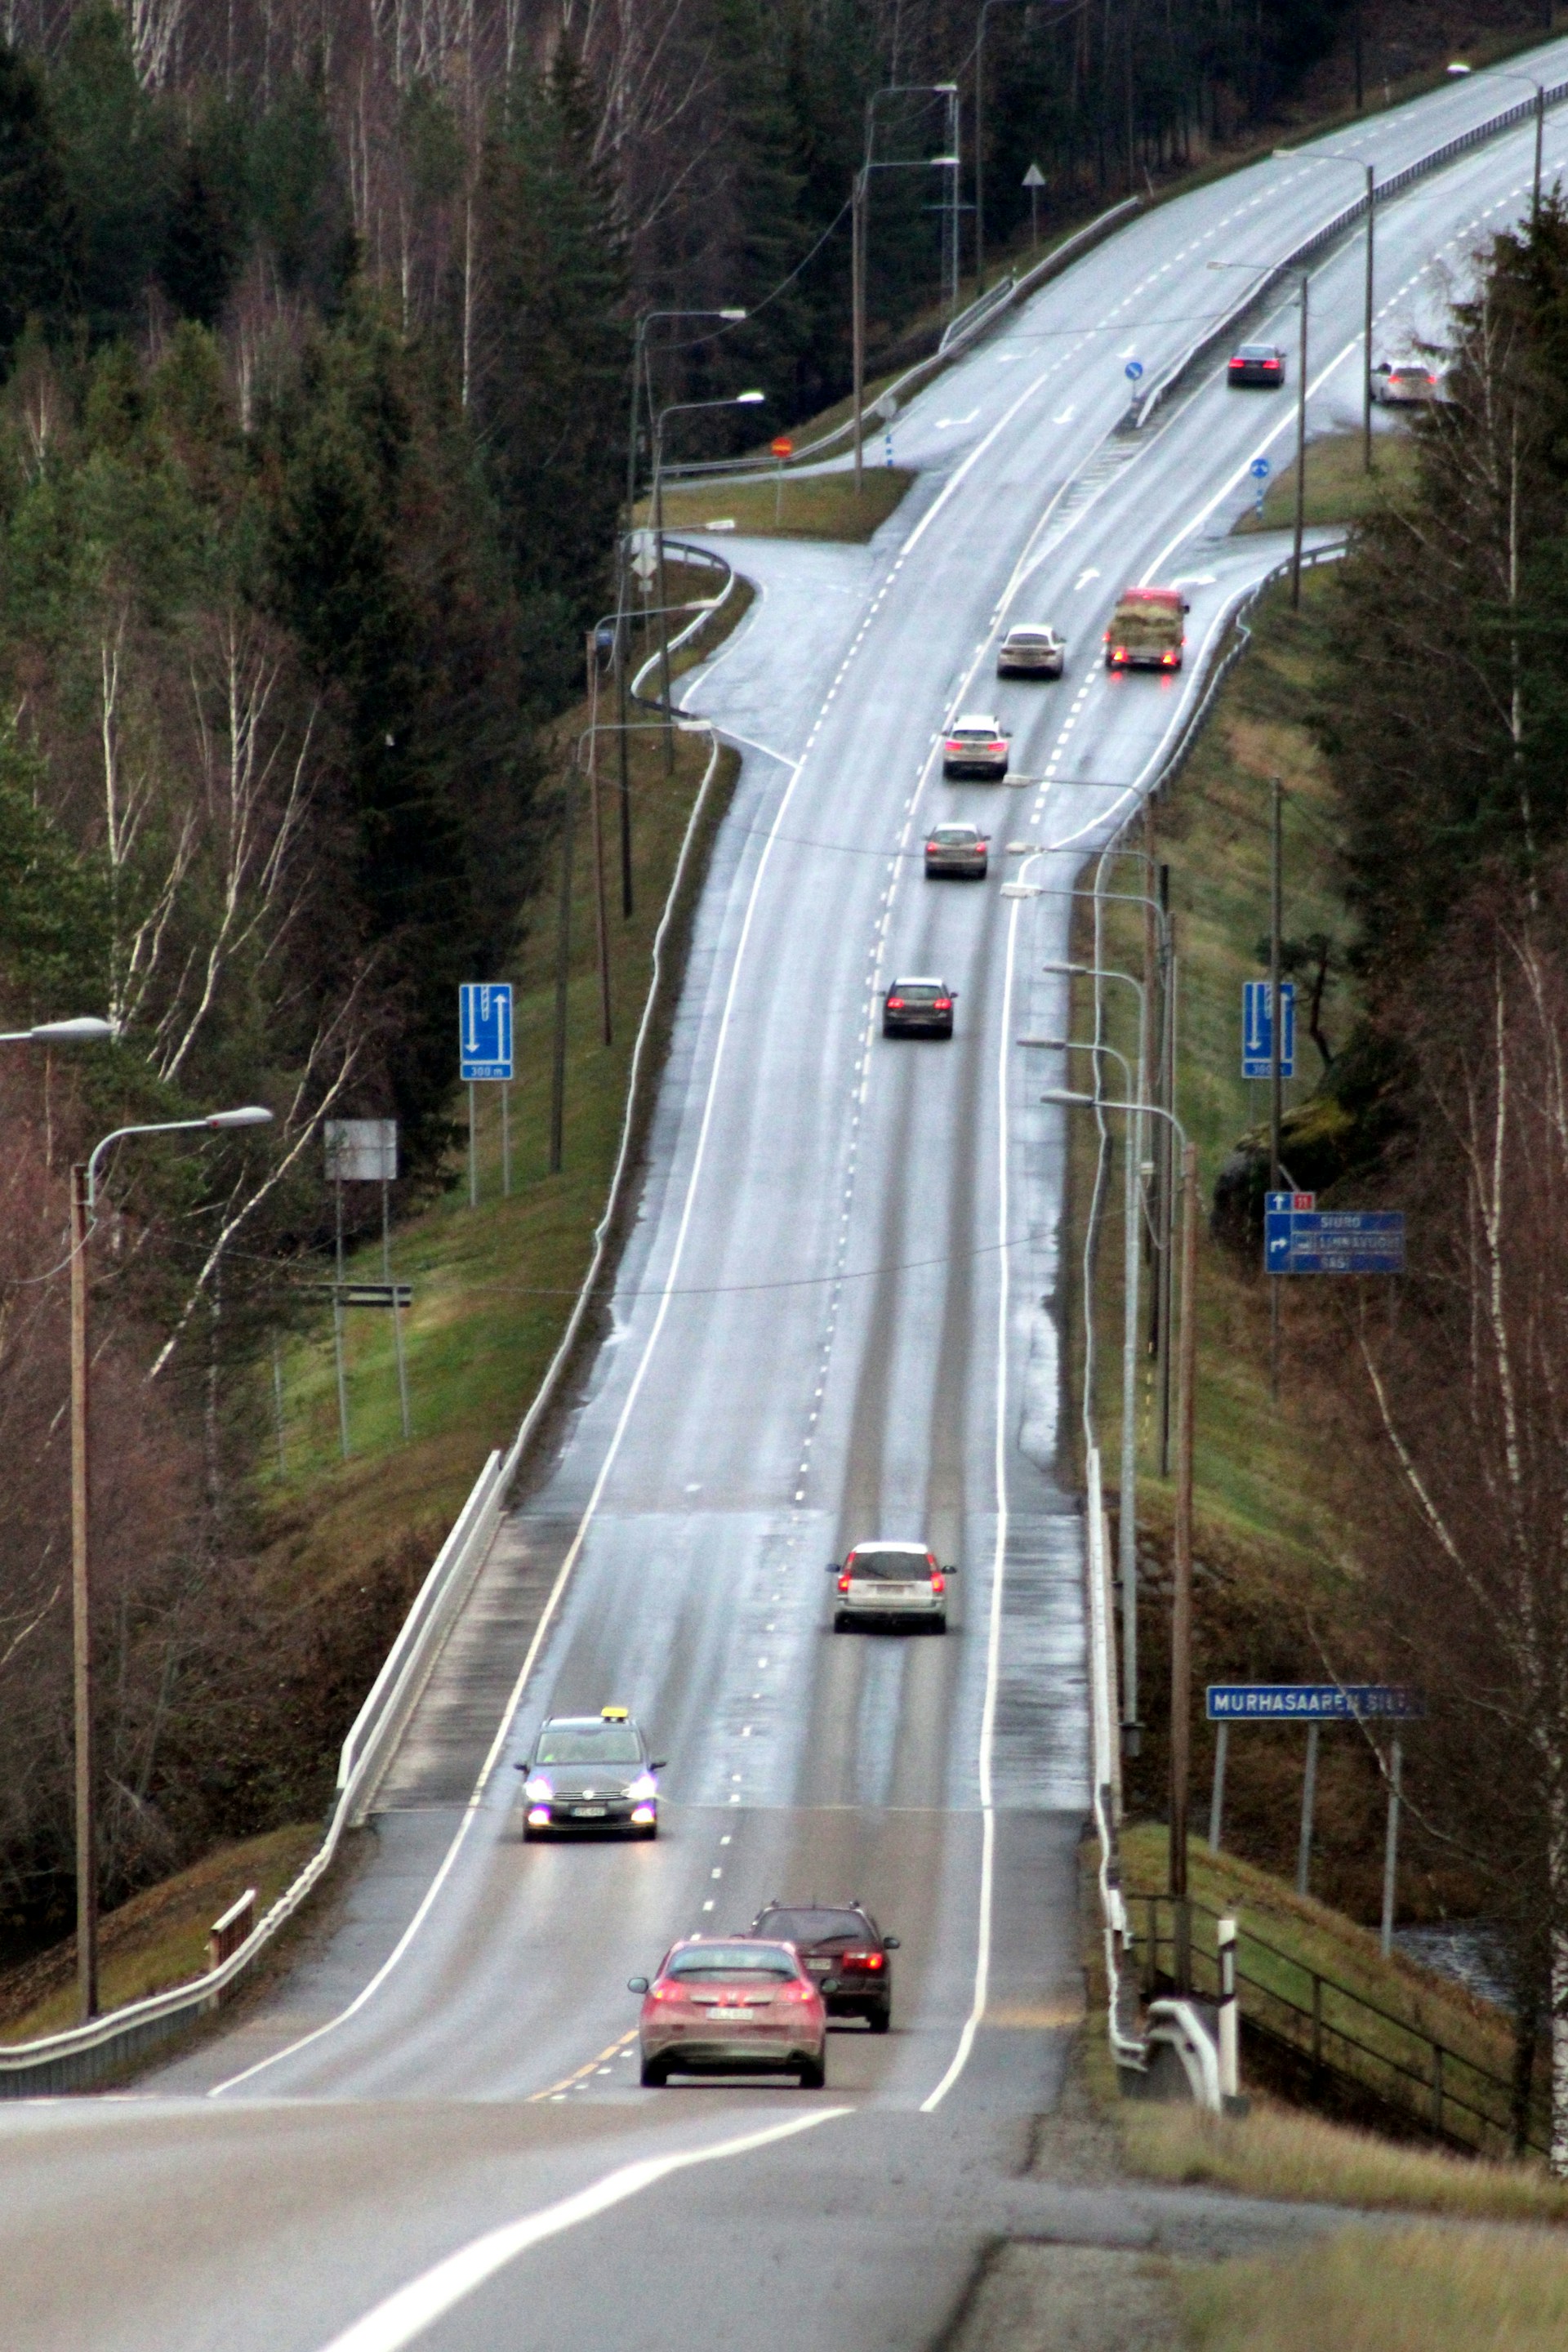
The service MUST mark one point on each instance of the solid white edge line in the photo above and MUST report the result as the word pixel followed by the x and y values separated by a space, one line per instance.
pixel 998 1565
pixel 503 1730
pixel 410 2310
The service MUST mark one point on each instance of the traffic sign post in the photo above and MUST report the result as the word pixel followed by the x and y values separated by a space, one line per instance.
pixel 781 448
pixel 1309 1240
pixel 1258 1029
pixel 484 1057
pixel 1315 1704
pixel 1259 471
pixel 1033 180
pixel 364 1151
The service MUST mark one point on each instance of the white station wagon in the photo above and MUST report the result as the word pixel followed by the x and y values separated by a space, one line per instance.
pixel 895 1581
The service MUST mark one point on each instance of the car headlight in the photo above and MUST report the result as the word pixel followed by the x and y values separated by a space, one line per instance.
pixel 538 1790
pixel 642 1787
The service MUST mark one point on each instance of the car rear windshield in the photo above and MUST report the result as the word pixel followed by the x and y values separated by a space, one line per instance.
pixel 732 1960
pixel 1029 637
pixel 956 836
pixel 918 991
pixel 816 1926
pixel 1257 351
pixel 897 1565
pixel 975 734
pixel 590 1743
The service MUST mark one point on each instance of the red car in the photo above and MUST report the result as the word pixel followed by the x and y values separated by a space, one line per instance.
pixel 725 2005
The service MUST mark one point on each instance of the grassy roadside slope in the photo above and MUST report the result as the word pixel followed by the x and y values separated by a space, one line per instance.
pixel 1275 1563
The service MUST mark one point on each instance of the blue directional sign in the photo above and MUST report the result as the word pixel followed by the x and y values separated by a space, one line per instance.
pixel 1133 370
pixel 1257 1028
pixel 1312 1702
pixel 1332 1241
pixel 484 1029
pixel 1259 469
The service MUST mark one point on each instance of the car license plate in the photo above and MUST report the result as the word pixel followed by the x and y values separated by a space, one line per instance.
pixel 588 1812
pixel 819 1967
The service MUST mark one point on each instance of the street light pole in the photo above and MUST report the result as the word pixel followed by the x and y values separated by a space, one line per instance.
pixel 859 189
pixel 642 374
pixel 1186 1415
pixel 1494 73
pixel 83 1029
pixel 676 408
pixel 1127 1502
pixel 1330 156
pixel 1300 457
pixel 83 1202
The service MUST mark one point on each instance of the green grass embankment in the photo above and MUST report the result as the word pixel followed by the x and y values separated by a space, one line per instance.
pixel 1339 487
pixel 1277 1576
pixel 1431 2290
pixel 157 1939
pixel 789 506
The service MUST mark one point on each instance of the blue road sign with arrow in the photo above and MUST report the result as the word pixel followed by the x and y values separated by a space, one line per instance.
pixel 484 1030
pixel 1133 370
pixel 1259 469
pixel 1308 1240
pixel 1257 1028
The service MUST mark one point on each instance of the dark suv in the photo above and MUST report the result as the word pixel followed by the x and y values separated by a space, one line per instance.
pixel 844 1952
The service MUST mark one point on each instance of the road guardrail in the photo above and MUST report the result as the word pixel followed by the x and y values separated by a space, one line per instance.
pixel 1213 339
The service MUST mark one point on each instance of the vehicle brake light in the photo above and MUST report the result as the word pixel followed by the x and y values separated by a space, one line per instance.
pixel 942 1004
pixel 951 746
pixel 668 1992
pixel 795 1990
pixel 863 1960
pixel 938 1582
pixel 1169 660
pixel 895 1004
pixel 844 1581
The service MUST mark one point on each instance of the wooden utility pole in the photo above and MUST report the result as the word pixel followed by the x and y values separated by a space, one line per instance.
pixel 622 747
pixel 1182 1601
pixel 857 312
pixel 601 925
pixel 562 978
pixel 1275 1049
pixel 81 1618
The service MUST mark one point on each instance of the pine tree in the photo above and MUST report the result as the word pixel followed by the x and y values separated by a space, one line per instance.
pixel 549 389
pixel 38 230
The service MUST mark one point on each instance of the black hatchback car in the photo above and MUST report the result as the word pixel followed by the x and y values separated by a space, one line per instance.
pixel 591 1772
pixel 917 1008
pixel 844 1952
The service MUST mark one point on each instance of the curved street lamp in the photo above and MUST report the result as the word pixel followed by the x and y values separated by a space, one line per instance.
pixel 1182 1549
pixel 84 1189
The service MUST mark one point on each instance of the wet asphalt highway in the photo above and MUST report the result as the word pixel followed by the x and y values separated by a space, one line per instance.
pixel 836 1318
